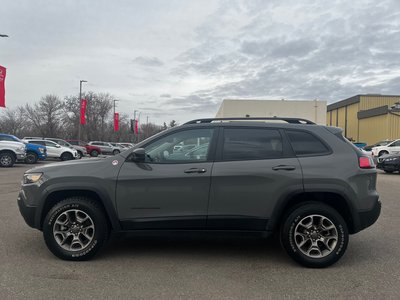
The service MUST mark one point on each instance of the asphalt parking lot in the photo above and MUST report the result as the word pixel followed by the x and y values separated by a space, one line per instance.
pixel 154 268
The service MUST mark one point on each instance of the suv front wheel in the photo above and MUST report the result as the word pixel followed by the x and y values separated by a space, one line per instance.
pixel 75 229
pixel 314 235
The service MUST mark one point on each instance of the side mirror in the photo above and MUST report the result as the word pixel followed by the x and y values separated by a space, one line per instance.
pixel 58 146
pixel 138 155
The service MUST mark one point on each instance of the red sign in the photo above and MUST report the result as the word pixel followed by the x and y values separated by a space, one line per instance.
pixel 83 111
pixel 2 87
pixel 116 121
pixel 136 129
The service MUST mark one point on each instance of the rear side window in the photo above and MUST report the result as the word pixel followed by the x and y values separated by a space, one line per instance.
pixel 304 143
pixel 251 144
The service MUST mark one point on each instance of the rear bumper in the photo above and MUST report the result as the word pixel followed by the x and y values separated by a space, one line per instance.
pixel 368 217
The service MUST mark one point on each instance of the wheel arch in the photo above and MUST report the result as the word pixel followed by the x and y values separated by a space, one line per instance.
pixel 57 195
pixel 335 199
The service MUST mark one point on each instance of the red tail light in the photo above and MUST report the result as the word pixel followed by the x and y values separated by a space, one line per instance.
pixel 366 162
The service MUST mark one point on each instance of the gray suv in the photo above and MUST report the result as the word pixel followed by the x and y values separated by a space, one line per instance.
pixel 261 176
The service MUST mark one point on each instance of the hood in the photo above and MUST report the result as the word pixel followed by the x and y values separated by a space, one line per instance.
pixel 12 144
pixel 86 163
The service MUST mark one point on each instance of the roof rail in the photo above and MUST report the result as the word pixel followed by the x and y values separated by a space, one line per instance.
pixel 288 120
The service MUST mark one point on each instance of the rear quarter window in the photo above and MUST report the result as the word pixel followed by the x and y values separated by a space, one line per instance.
pixel 304 143
pixel 251 144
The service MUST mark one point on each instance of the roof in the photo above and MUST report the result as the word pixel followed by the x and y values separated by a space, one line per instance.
pixel 354 99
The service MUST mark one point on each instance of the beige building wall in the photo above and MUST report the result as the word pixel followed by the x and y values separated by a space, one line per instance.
pixel 313 110
pixel 366 118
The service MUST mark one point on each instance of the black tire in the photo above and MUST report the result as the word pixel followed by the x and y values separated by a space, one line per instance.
pixel 292 235
pixel 99 234
pixel 31 158
pixel 115 152
pixel 80 155
pixel 66 156
pixel 388 171
pixel 7 159
pixel 382 153
pixel 94 153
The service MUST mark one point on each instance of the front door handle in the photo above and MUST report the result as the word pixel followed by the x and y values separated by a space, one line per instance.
pixel 284 167
pixel 195 170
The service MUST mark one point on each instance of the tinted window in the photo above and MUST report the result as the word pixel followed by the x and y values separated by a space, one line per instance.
pixel 304 143
pixel 174 147
pixel 249 144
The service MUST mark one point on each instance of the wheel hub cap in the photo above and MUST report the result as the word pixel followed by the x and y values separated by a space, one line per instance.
pixel 316 236
pixel 73 230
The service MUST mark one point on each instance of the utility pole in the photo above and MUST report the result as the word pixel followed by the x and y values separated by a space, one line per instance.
pixel 147 127
pixel 80 103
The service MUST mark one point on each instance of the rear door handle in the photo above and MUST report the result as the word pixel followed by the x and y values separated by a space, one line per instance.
pixel 195 170
pixel 284 167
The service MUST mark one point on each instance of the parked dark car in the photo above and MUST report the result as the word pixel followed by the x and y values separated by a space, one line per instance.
pixel 389 163
pixel 254 177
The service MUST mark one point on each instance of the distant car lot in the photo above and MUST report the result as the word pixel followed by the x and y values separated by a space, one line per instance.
pixel 196 267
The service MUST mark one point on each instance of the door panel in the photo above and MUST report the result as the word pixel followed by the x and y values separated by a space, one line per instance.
pixel 255 169
pixel 163 195
pixel 244 193
pixel 168 189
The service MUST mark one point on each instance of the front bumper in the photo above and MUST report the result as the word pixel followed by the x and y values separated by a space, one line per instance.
pixel 21 156
pixel 388 165
pixel 27 212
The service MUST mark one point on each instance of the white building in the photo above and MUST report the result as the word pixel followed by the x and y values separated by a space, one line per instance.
pixel 313 110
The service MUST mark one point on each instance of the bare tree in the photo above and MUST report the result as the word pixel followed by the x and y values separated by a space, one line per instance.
pixel 46 115
pixel 14 122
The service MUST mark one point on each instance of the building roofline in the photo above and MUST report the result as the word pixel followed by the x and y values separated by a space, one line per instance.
pixel 354 99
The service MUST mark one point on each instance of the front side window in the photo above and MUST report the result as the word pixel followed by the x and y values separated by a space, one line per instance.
pixel 304 143
pixel 251 144
pixel 181 147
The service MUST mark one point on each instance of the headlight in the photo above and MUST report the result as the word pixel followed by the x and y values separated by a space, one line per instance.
pixel 32 177
pixel 41 150
pixel 22 149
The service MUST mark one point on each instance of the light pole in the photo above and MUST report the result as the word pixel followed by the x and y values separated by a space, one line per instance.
pixel 80 103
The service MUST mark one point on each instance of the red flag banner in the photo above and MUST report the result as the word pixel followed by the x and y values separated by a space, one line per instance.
pixel 83 111
pixel 116 121
pixel 2 86
pixel 136 127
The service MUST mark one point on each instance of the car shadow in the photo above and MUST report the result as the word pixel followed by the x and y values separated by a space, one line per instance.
pixel 207 248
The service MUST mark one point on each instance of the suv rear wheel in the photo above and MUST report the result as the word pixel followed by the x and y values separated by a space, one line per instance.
pixel 75 229
pixel 314 235
pixel 115 152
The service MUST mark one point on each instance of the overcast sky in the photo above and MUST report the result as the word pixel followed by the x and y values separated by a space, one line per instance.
pixel 179 59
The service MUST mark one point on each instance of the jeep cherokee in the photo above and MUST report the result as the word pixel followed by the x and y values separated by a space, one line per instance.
pixel 254 176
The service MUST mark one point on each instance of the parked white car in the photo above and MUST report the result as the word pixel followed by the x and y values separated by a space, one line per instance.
pixel 10 152
pixel 391 148
pixel 55 150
